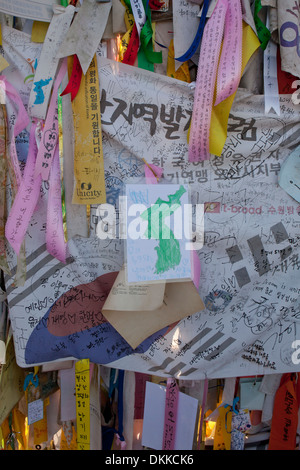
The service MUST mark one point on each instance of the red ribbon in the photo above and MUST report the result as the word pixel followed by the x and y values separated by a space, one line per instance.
pixel 132 48
pixel 75 79
pixel 155 4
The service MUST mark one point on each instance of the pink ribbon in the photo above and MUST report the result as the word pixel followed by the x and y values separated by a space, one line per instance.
pixel 26 198
pixel 170 421
pixel 230 66
pixel 152 173
pixel 55 242
pixel 229 74
pixel 20 124
pixel 50 133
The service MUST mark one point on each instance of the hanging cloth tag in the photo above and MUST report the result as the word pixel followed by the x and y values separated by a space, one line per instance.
pixel 49 61
pixel 285 415
pixel 139 14
pixel 220 113
pixel 230 66
pixel 130 41
pixel 170 421
pixel 25 200
pixel 263 33
pixel 3 176
pixel 61 161
pixel 202 412
pixel 55 239
pixel 50 132
pixel 152 173
pixel 21 122
pixel 222 440
pixel 88 150
pixel 205 83
pixel 86 32
pixel 40 427
pixel 140 33
pixel 183 72
pixel 82 390
pixel 75 79
pixel 198 36
pixel 240 423
pixel 271 91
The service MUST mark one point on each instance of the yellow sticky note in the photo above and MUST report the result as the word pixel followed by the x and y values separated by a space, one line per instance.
pixel 220 113
pixel 39 31
pixel 88 150
pixel 82 390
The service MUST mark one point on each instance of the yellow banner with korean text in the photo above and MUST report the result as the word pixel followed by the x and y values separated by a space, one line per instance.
pixel 89 185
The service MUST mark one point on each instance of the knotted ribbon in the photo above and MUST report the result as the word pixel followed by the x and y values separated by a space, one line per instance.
pixel 55 240
pixel 226 18
pixel 50 133
pixel 285 414
pixel 140 32
pixel 75 79
pixel 26 198
pixel 25 201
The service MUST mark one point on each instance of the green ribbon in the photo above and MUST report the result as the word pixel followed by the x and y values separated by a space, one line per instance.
pixel 263 33
pixel 146 53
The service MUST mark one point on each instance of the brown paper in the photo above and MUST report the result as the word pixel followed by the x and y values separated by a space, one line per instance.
pixel 180 300
pixel 128 297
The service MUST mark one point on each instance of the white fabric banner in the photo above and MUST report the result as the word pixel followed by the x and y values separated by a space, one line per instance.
pixel 249 262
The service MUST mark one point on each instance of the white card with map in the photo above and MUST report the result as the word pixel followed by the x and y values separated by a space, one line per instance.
pixel 158 228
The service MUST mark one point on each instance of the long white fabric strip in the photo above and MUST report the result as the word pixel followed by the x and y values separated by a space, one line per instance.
pixel 48 62
pixel 86 32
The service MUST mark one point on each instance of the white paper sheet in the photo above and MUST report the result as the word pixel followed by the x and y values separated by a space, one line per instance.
pixel 154 412
pixel 146 260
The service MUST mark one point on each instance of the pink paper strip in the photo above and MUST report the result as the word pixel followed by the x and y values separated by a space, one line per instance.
pixel 55 242
pixel 50 132
pixel 170 422
pixel 25 200
pixel 150 176
pixel 230 66
pixel 205 84
pixel 21 122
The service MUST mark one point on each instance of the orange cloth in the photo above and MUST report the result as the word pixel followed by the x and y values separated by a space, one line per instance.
pixel 285 414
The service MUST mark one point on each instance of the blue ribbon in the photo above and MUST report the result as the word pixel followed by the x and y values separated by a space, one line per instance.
pixel 233 407
pixel 30 378
pixel 197 39
pixel 120 404
pixel 119 385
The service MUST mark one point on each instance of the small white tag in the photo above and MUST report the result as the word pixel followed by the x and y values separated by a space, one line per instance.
pixel 35 411
pixel 251 397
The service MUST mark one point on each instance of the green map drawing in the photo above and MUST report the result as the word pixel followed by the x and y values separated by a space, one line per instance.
pixel 168 249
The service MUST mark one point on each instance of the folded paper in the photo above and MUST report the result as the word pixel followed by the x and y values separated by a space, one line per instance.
pixel 137 311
